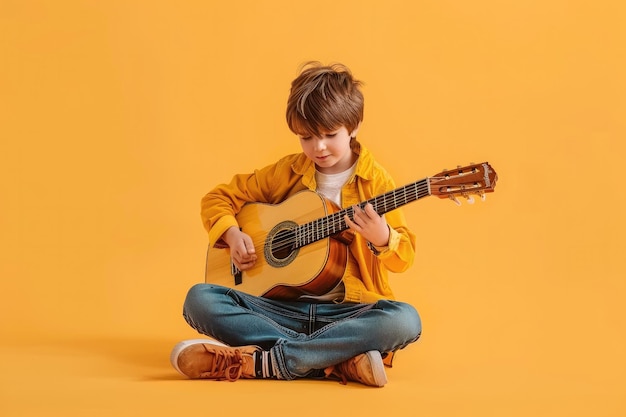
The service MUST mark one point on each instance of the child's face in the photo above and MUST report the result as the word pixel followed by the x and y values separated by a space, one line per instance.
pixel 331 151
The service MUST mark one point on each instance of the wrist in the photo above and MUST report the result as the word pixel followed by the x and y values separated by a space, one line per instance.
pixel 229 233
pixel 376 249
pixel 384 240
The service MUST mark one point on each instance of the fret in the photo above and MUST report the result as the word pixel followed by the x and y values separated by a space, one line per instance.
pixel 316 234
pixel 316 230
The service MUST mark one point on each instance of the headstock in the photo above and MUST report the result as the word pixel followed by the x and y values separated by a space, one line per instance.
pixel 467 181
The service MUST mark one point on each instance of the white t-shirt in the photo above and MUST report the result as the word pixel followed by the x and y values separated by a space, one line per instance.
pixel 329 185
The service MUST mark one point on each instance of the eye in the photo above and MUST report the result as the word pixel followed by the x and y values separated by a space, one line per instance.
pixel 331 135
pixel 305 137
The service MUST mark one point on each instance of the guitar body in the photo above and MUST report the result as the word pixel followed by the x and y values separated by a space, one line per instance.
pixel 281 272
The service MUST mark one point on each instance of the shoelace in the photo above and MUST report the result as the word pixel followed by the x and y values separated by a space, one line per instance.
pixel 227 365
pixel 344 372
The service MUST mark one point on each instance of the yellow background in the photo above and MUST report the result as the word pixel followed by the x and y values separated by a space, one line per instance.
pixel 117 116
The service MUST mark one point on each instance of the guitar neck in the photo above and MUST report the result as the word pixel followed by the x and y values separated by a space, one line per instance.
pixel 334 223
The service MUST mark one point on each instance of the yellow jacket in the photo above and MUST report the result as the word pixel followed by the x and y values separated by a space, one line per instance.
pixel 366 278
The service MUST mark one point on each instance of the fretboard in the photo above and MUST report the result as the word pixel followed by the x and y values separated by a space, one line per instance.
pixel 334 223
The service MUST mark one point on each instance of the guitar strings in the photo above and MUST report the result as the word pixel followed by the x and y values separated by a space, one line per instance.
pixel 315 230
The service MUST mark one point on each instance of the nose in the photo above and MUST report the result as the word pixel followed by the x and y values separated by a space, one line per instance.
pixel 320 144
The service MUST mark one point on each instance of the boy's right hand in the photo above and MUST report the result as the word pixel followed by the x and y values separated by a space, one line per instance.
pixel 241 248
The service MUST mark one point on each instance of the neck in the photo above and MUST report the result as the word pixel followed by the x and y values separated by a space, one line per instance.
pixel 334 223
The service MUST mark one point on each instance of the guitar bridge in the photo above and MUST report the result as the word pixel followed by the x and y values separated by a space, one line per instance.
pixel 236 273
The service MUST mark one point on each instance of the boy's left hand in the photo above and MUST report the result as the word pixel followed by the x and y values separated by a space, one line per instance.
pixel 369 224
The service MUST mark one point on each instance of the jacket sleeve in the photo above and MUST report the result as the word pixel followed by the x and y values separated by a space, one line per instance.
pixel 400 252
pixel 220 206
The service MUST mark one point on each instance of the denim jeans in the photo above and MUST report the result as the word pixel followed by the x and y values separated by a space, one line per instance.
pixel 302 338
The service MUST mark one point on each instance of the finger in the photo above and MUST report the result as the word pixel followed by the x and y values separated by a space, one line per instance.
pixel 351 224
pixel 249 246
pixel 371 213
pixel 363 219
pixel 244 261
pixel 245 257
pixel 244 266
pixel 358 213
pixel 248 263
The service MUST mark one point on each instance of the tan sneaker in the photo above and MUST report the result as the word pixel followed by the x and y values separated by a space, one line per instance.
pixel 210 359
pixel 366 368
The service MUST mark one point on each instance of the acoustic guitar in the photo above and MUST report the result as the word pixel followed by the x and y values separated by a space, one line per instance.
pixel 301 243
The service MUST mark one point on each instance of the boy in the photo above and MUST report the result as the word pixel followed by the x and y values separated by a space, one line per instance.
pixel 342 334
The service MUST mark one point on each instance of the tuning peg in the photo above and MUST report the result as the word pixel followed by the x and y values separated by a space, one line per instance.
pixel 470 199
pixel 483 196
pixel 456 200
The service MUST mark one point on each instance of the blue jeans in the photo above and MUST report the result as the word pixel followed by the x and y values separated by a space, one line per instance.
pixel 302 338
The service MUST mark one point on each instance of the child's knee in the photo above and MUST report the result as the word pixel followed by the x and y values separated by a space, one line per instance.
pixel 406 319
pixel 411 320
pixel 203 292
pixel 199 297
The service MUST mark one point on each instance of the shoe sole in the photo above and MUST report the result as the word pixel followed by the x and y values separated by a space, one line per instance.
pixel 378 367
pixel 176 351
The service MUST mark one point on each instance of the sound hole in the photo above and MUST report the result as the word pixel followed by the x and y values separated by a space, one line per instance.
pixel 280 245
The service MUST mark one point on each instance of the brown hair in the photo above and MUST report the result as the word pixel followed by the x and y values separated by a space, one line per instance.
pixel 324 98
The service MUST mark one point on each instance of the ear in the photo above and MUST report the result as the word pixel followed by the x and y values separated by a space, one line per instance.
pixel 355 131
